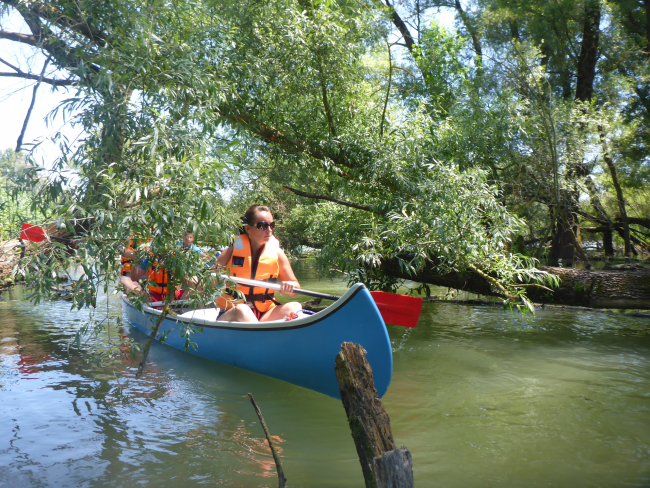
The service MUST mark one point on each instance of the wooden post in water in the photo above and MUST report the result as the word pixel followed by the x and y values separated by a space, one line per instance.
pixel 383 465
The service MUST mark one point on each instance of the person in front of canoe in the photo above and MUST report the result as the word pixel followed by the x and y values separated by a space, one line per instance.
pixel 256 254
pixel 128 254
pixel 156 275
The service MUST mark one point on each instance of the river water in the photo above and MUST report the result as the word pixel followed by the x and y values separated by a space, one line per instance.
pixel 482 398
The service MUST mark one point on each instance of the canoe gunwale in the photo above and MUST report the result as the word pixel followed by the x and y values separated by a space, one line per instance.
pixel 255 326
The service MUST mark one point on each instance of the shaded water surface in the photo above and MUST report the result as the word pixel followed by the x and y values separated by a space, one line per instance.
pixel 480 397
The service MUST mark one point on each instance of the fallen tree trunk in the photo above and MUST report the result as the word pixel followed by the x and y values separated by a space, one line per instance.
pixel 622 288
pixel 625 288
pixel 10 254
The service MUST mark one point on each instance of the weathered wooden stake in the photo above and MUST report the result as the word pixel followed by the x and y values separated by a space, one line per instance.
pixel 276 458
pixel 383 465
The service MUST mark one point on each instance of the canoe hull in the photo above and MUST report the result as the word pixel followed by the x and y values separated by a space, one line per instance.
pixel 301 352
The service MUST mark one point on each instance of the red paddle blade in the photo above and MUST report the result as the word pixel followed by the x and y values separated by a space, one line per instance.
pixel 32 233
pixel 398 309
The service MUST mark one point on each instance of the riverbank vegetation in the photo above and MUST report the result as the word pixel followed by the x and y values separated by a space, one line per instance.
pixel 400 147
pixel 15 200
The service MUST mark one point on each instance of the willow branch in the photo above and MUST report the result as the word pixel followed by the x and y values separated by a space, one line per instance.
pixel 328 198
pixel 19 142
pixel 326 105
pixel 495 282
pixel 44 38
pixel 19 37
pixel 473 32
pixel 66 19
pixel 270 135
pixel 29 76
pixel 390 80
pixel 401 26
pixel 532 285
pixel 152 337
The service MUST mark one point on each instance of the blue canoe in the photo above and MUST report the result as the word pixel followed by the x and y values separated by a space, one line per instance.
pixel 301 351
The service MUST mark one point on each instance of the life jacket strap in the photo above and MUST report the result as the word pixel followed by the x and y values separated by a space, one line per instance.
pixel 261 297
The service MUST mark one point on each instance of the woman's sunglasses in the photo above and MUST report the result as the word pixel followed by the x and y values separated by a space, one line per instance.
pixel 265 225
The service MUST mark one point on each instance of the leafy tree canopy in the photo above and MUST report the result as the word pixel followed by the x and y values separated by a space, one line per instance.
pixel 427 150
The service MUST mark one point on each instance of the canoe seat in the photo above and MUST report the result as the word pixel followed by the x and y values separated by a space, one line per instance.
pixel 202 314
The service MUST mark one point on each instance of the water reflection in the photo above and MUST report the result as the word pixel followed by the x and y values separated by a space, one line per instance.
pixel 94 424
pixel 561 398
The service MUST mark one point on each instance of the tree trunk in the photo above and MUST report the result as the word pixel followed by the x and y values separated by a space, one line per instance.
pixel 629 289
pixel 598 289
pixel 561 245
pixel 647 23
pixel 619 193
pixel 608 243
pixel 588 52
pixel 10 252
pixel 564 232
pixel 473 33
pixel 603 218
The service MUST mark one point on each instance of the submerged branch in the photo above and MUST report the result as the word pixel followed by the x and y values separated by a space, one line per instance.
pixel 152 337
pixel 276 458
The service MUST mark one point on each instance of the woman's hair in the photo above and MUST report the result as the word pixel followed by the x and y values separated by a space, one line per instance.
pixel 248 217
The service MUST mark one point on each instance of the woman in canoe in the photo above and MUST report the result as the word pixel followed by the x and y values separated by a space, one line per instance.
pixel 256 254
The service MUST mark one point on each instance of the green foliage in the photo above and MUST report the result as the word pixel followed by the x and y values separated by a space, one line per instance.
pixel 428 158
pixel 16 185
pixel 439 58
pixel 147 196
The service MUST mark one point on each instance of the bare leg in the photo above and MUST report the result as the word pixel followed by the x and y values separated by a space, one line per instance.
pixel 281 311
pixel 241 313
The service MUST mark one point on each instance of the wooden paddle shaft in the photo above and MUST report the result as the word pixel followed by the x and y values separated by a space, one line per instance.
pixel 275 286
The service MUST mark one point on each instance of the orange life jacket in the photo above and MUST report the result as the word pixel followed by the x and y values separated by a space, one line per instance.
pixel 127 262
pixel 241 265
pixel 158 275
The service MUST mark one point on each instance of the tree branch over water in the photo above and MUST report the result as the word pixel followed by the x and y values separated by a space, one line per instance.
pixel 19 143
pixel 332 199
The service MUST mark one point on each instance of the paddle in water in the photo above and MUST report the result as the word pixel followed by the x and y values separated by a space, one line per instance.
pixel 401 310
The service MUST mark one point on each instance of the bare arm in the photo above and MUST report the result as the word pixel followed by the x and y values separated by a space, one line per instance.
pixel 224 257
pixel 137 270
pixel 287 276
pixel 128 253
pixel 137 273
